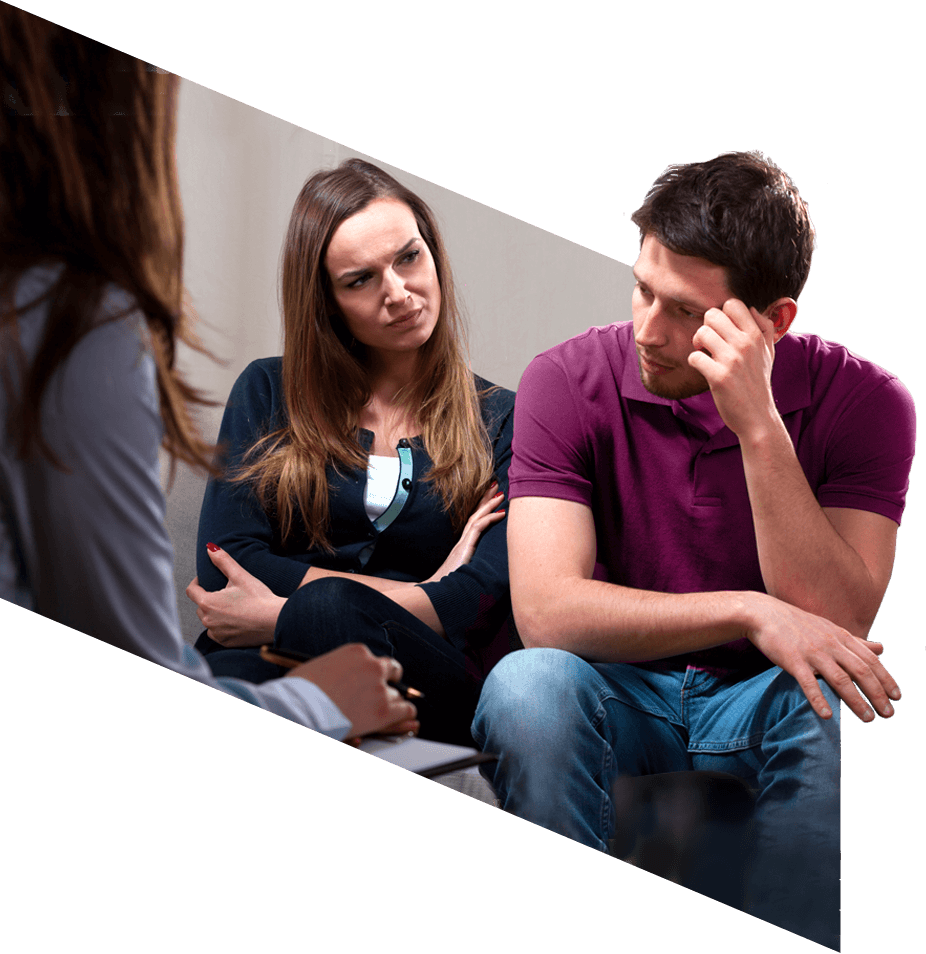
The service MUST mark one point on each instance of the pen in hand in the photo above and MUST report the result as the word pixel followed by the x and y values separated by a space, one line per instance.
pixel 290 659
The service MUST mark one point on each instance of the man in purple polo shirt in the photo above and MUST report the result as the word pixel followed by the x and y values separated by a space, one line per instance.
pixel 701 530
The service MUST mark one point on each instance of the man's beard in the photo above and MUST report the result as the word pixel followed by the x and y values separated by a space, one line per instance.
pixel 674 392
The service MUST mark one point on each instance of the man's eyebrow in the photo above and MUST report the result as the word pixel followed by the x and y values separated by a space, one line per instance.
pixel 362 271
pixel 691 305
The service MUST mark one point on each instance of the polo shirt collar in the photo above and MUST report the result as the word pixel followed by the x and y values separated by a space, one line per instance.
pixel 790 384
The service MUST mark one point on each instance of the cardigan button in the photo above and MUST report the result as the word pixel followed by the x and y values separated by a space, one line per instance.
pixel 406 484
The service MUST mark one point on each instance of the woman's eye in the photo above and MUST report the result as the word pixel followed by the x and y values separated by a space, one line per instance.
pixel 407 259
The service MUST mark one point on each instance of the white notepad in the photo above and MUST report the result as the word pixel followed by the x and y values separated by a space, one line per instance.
pixel 422 755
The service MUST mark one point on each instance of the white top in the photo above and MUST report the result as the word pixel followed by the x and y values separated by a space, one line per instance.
pixel 382 481
pixel 90 548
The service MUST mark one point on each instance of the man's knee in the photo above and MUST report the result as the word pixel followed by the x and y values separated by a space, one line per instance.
pixel 535 691
pixel 539 676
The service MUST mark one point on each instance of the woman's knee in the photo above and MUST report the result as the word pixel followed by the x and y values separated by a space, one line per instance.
pixel 324 614
pixel 332 594
pixel 328 601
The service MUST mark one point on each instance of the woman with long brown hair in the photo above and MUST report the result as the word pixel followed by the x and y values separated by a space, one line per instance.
pixel 91 248
pixel 367 467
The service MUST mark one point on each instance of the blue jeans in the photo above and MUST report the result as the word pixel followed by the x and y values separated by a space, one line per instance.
pixel 325 614
pixel 565 729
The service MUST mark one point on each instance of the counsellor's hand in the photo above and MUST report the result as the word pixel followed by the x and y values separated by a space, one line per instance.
pixel 244 613
pixel 357 682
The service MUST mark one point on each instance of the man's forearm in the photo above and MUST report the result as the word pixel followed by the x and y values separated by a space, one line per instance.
pixel 838 574
pixel 803 559
pixel 557 602
pixel 603 622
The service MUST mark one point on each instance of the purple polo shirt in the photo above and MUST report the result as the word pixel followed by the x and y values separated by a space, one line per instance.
pixel 664 479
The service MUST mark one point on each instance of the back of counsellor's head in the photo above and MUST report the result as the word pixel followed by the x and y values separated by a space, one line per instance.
pixel 90 184
pixel 739 211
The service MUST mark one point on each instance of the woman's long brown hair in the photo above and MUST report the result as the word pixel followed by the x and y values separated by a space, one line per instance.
pixel 325 379
pixel 89 183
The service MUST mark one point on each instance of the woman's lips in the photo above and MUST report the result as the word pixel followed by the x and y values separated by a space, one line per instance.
pixel 405 320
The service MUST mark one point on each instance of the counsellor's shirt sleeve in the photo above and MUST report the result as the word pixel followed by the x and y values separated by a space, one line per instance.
pixel 93 542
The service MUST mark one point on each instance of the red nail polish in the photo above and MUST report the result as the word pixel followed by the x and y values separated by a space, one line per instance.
pixel 212 548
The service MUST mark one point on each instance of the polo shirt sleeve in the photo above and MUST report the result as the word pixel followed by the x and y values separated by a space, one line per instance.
pixel 870 451
pixel 550 454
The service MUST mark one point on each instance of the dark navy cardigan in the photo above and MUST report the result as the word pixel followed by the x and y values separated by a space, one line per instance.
pixel 472 603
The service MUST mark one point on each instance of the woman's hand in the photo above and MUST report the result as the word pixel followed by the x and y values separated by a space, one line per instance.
pixel 244 613
pixel 484 516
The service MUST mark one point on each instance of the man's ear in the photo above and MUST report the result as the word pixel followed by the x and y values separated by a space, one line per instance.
pixel 781 313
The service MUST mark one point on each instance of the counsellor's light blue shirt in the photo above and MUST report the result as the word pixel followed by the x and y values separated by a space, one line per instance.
pixel 88 547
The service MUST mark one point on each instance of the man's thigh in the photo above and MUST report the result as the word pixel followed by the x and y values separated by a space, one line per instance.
pixel 743 727
pixel 549 700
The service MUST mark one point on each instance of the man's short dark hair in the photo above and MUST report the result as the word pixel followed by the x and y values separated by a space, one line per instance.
pixel 739 211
